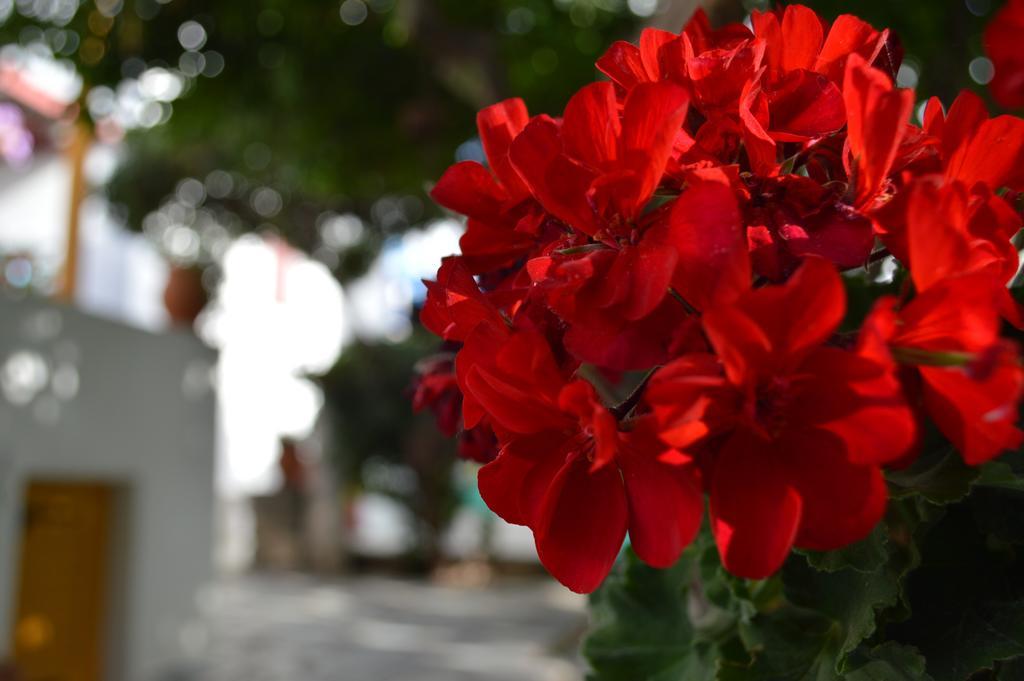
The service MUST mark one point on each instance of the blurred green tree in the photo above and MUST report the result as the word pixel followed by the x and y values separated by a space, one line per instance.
pixel 379 446
pixel 331 105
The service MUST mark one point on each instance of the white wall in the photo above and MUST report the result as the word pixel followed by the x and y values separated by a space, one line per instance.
pixel 141 417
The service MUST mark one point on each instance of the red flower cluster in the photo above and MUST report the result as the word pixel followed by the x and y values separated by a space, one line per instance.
pixel 691 218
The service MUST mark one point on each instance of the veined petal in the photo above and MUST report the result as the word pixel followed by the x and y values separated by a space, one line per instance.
pixel 755 509
pixel 590 126
pixel 842 501
pixel 977 414
pixel 582 524
pixel 498 125
pixel 877 114
pixel 665 499
pixel 468 188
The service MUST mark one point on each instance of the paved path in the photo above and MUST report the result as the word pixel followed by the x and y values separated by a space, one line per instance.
pixel 380 629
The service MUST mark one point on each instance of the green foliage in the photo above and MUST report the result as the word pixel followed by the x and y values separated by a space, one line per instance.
pixel 640 624
pixel 935 593
pixel 333 114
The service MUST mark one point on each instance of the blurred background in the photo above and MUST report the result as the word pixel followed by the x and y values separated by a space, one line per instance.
pixel 213 225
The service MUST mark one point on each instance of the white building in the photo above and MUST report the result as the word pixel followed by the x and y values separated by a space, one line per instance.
pixel 106 495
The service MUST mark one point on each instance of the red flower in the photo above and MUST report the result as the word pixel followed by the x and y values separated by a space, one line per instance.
pixel 595 171
pixel 970 380
pixel 455 305
pixel 795 217
pixel 796 429
pixel 566 471
pixel 1002 44
pixel 503 220
pixel 625 235
pixel 961 258
pixel 434 387
pixel 964 148
pixel 877 116
pixel 616 298
pixel 952 232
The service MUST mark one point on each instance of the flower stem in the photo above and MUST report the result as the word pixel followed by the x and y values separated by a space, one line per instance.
pixel 622 410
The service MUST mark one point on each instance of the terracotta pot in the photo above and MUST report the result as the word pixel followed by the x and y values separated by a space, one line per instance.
pixel 184 295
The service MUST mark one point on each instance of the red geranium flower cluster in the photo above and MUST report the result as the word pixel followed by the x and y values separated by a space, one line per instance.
pixel 696 217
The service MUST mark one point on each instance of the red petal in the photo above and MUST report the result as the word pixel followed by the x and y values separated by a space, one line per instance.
pixel 582 524
pixel 842 501
pixel 743 347
pixel 766 27
pixel 623 64
pixel 770 329
pixel 762 151
pixel 528 353
pixel 805 105
pixel 934 118
pixel 516 379
pixel 719 75
pixel 651 269
pixel 651 41
pixel 468 188
pixel 479 348
pixel 877 116
pixel 691 400
pixel 559 184
pixel 802 36
pixel 848 36
pixel 455 306
pixel 625 346
pixel 498 125
pixel 966 115
pixel 957 314
pixel 501 482
pixel 836 233
pixel 994 155
pixel 486 248
pixel 513 406
pixel 705 228
pixel 580 399
pixel 803 312
pixel 665 500
pixel 859 401
pixel 515 483
pixel 978 415
pixel 937 242
pixel 590 126
pixel 651 118
pixel 755 510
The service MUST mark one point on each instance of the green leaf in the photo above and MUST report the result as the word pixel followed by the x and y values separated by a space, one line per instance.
pixel 848 597
pixel 788 645
pixel 697 665
pixel 939 475
pixel 966 598
pixel 1007 472
pixel 866 555
pixel 640 624
pixel 889 662
pixel 743 598
pixel 999 513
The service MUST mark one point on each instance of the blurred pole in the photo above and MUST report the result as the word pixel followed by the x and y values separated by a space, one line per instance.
pixel 81 138
pixel 676 13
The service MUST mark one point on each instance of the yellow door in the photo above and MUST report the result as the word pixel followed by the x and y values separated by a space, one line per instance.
pixel 58 633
